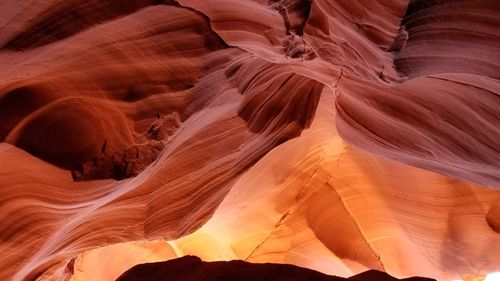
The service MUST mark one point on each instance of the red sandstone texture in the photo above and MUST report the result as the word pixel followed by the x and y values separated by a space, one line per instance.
pixel 335 135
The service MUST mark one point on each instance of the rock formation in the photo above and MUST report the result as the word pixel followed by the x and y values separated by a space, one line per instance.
pixel 192 268
pixel 339 136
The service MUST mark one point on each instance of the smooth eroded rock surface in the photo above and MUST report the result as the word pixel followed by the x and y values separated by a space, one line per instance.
pixel 335 135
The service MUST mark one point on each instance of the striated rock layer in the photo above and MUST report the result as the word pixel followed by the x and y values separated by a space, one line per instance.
pixel 335 135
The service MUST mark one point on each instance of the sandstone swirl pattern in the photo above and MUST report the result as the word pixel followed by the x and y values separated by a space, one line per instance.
pixel 249 129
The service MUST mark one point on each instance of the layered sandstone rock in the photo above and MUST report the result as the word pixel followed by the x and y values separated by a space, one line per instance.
pixel 335 135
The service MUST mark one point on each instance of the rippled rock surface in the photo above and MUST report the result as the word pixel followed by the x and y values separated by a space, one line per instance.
pixel 339 136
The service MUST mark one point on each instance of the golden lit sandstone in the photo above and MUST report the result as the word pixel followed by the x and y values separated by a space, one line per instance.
pixel 109 262
pixel 323 205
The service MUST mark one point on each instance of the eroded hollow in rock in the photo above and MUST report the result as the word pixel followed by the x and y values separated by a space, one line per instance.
pixel 493 217
pixel 131 161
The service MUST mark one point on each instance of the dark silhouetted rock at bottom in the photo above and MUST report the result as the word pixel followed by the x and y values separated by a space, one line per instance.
pixel 375 275
pixel 191 268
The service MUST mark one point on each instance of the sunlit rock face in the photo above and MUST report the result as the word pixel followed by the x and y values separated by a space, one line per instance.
pixel 339 136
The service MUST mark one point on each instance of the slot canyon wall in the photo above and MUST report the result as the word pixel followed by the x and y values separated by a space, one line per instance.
pixel 338 136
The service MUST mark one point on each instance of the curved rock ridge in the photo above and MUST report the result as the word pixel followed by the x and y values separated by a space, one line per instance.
pixel 82 103
pixel 335 209
pixel 265 131
pixel 435 32
pixel 193 268
pixel 71 17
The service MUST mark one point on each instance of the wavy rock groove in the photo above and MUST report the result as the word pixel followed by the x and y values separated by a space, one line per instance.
pixel 319 138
